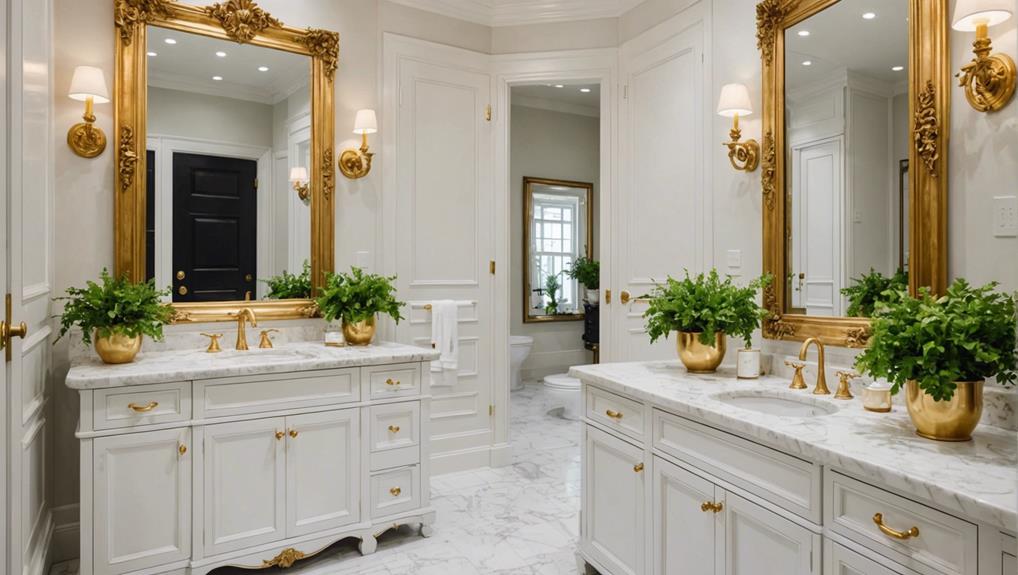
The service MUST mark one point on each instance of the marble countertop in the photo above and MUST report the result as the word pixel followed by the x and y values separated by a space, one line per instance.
pixel 978 478
pixel 165 366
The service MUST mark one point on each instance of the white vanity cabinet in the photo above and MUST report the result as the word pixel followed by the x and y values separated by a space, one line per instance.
pixel 252 470
pixel 613 492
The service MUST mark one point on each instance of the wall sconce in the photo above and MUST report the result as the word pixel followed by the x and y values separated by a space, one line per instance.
pixel 357 163
pixel 299 179
pixel 734 102
pixel 88 84
pixel 989 80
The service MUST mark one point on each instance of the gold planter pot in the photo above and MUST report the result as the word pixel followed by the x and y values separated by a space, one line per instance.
pixel 951 420
pixel 359 333
pixel 700 358
pixel 116 348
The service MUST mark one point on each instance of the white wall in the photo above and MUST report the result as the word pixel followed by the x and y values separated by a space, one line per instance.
pixel 211 118
pixel 554 145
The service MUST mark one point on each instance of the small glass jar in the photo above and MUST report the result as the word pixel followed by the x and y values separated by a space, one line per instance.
pixel 334 336
pixel 877 397
pixel 748 366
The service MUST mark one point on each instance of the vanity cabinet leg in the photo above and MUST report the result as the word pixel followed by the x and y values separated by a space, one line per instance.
pixel 368 545
pixel 427 530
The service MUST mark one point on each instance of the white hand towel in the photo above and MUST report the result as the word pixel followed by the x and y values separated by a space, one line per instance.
pixel 445 336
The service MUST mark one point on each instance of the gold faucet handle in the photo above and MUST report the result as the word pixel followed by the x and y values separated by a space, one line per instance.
pixel 797 380
pixel 266 341
pixel 213 342
pixel 844 388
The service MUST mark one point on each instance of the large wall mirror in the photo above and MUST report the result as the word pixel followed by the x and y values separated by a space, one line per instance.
pixel 853 156
pixel 558 220
pixel 224 155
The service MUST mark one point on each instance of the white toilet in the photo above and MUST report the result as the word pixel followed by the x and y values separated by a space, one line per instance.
pixel 565 391
pixel 519 349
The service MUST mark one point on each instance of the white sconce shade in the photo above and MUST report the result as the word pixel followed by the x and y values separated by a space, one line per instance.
pixel 734 101
pixel 969 14
pixel 89 82
pixel 365 122
pixel 298 174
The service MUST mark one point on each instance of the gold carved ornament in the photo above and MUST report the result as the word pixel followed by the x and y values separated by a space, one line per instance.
pixel 769 16
pixel 926 128
pixel 989 81
pixel 773 327
pixel 323 45
pixel 328 175
pixel 128 14
pixel 242 20
pixel 768 170
pixel 286 558
pixel 858 337
pixel 128 158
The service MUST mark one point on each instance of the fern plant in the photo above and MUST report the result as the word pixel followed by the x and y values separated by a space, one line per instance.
pixel 587 271
pixel 115 306
pixel 552 285
pixel 705 304
pixel 290 286
pixel 357 296
pixel 968 334
pixel 871 289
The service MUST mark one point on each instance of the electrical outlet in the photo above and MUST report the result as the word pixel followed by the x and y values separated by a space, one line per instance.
pixel 1005 216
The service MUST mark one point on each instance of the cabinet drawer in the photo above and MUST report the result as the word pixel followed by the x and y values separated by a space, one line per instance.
pixel 395 425
pixel 941 543
pixel 258 394
pixel 840 560
pixel 786 481
pixel 393 380
pixel 141 405
pixel 616 412
pixel 395 491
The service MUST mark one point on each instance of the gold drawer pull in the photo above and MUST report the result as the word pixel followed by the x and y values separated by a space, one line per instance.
pixel 279 435
pixel 638 468
pixel 395 491
pixel 294 433
pixel 878 518
pixel 182 449
pixel 616 415
pixel 393 429
pixel 391 381
pixel 710 506
pixel 144 408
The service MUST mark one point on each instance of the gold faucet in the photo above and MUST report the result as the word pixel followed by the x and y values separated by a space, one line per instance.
pixel 821 387
pixel 243 316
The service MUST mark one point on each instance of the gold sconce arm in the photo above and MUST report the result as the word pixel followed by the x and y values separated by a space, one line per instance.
pixel 989 80
pixel 303 190
pixel 744 156
pixel 84 138
pixel 356 164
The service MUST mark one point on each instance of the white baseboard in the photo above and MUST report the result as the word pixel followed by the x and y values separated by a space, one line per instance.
pixel 38 563
pixel 501 455
pixel 66 534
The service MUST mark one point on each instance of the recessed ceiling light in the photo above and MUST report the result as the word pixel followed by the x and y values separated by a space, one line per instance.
pixel 559 86
pixel 217 78
pixel 170 41
pixel 585 90
pixel 152 54
pixel 897 68
pixel 221 54
pixel 869 15
pixel 807 62
pixel 804 33
pixel 263 68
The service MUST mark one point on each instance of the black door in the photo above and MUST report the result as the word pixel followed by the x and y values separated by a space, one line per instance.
pixel 150 215
pixel 214 210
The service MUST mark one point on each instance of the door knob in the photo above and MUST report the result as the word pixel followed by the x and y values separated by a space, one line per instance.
pixel 9 330
pixel 625 296
pixel 181 275
pixel 182 290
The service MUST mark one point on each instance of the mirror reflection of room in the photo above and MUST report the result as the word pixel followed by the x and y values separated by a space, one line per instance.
pixel 847 142
pixel 554 174
pixel 228 153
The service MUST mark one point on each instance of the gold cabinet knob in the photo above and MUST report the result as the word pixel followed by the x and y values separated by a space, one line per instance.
pixel 181 275
pixel 143 408
pixel 711 507
pixel 638 468
pixel 294 433
pixel 182 290
pixel 616 415
pixel 395 491
pixel 279 435
pixel 393 429
pixel 248 277
pixel 878 518
pixel 182 449
pixel 391 381
pixel 213 342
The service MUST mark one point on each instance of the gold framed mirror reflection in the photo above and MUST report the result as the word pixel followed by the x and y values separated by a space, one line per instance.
pixel 927 89
pixel 243 25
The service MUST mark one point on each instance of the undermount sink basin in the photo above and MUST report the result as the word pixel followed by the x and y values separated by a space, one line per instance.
pixel 255 355
pixel 775 404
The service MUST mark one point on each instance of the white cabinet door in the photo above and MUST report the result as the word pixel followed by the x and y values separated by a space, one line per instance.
pixel 754 537
pixel 684 539
pixel 613 506
pixel 322 471
pixel 245 466
pixel 142 499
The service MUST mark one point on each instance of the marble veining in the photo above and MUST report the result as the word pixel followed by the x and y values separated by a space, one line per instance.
pixel 976 478
pixel 88 372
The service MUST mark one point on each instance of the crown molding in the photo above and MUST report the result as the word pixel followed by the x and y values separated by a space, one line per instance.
pixel 499 13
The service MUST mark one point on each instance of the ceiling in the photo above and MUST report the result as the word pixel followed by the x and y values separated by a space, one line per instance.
pixel 191 63
pixel 840 38
pixel 569 98
pixel 497 13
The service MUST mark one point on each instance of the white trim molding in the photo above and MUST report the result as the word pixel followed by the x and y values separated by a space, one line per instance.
pixel 498 13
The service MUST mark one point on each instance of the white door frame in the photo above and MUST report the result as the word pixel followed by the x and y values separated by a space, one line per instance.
pixel 5 195
pixel 599 66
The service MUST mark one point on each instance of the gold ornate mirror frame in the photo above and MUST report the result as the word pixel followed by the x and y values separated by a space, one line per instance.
pixel 240 21
pixel 929 100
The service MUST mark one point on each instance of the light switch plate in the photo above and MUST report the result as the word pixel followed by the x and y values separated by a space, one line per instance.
pixel 1005 216
pixel 734 259
pixel 363 259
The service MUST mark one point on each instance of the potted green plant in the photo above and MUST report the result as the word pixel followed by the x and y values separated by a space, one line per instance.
pixel 703 309
pixel 870 289
pixel 941 350
pixel 356 298
pixel 114 314
pixel 290 286
pixel 552 285
pixel 587 271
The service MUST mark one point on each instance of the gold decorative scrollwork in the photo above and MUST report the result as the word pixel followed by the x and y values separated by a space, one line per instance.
pixel 128 158
pixel 858 337
pixel 768 170
pixel 286 558
pixel 769 16
pixel 989 80
pixel 773 327
pixel 926 128
pixel 128 14
pixel 324 45
pixel 242 20
pixel 329 174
